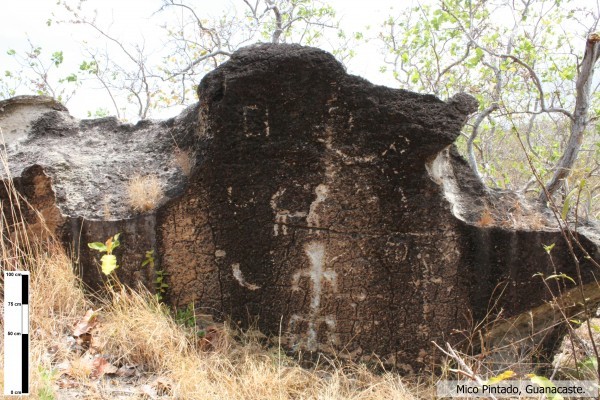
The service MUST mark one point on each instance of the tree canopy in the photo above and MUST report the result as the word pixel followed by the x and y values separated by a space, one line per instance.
pixel 530 63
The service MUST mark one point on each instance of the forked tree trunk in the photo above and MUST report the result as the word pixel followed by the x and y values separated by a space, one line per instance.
pixel 580 116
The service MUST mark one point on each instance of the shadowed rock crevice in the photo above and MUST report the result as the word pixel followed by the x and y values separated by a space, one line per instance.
pixel 321 206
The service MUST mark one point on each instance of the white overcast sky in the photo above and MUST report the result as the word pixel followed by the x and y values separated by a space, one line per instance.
pixel 24 19
pixel 131 19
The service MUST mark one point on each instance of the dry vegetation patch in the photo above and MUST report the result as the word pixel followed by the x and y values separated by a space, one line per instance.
pixel 184 160
pixel 145 192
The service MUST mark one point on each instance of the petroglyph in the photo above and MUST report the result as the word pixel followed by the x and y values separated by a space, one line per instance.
pixel 282 217
pixel 267 128
pixel 256 121
pixel 316 254
pixel 237 274
pixel 313 217
pixel 275 198
pixel 220 254
pixel 318 275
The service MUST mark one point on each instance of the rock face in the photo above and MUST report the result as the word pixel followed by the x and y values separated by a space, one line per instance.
pixel 320 206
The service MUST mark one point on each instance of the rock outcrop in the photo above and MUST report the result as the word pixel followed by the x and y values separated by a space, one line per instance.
pixel 319 206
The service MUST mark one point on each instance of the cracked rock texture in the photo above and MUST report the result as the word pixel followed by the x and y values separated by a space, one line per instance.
pixel 319 205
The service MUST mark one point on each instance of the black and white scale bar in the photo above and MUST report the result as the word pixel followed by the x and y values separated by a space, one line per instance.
pixel 16 333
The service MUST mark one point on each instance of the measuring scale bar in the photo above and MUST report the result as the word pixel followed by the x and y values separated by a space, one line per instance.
pixel 16 333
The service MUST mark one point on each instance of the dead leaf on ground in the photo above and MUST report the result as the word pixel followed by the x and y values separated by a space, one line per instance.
pixel 214 338
pixel 52 350
pixel 67 383
pixel 83 340
pixel 86 324
pixel 101 366
pixel 163 386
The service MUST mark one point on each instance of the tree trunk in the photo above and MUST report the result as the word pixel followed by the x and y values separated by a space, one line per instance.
pixel 580 116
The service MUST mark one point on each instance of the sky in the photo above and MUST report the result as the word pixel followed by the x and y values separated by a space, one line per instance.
pixel 131 19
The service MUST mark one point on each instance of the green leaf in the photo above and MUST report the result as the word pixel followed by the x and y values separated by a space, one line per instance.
pixel 499 378
pixel 57 58
pixel 590 363
pixel 414 78
pixel 560 276
pixel 112 243
pixel 109 264
pixel 548 248
pixel 101 247
pixel 116 242
pixel 149 259
pixel 11 52
pixel 567 204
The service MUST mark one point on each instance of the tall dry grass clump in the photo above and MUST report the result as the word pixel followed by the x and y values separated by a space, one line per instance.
pixel 141 331
pixel 145 192
pixel 56 295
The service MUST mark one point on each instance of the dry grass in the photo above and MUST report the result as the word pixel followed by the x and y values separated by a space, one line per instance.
pixel 56 296
pixel 145 192
pixel 135 329
pixel 513 214
pixel 183 159
pixel 486 219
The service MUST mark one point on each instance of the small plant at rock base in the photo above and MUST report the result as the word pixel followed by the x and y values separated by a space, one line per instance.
pixel 160 285
pixel 186 316
pixel 149 259
pixel 46 391
pixel 109 260
pixel 159 282
pixel 144 192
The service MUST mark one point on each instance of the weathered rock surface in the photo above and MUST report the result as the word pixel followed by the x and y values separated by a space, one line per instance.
pixel 326 208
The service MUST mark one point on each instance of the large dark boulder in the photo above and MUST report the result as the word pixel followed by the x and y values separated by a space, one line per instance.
pixel 321 207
